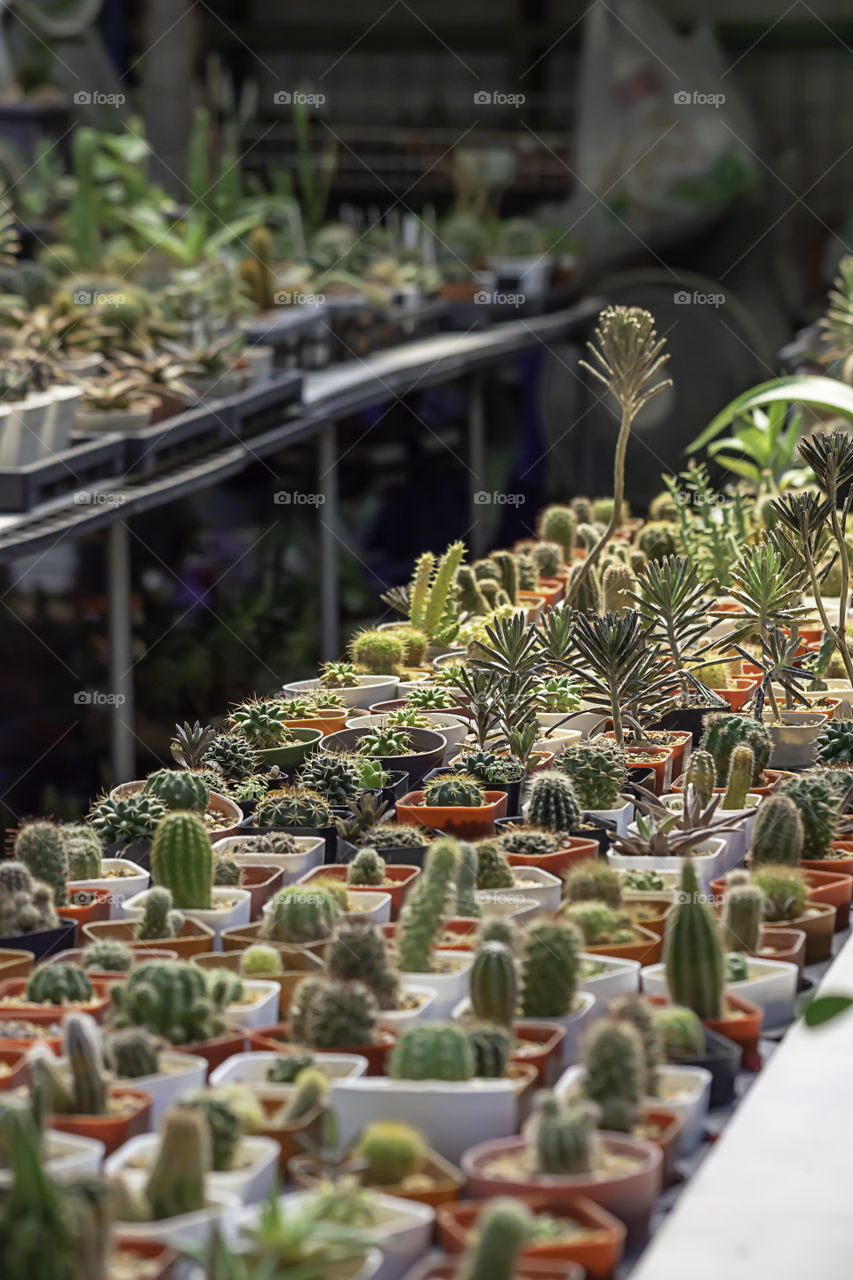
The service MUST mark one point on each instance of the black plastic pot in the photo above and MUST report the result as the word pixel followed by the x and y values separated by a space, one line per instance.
pixel 46 943
pixel 428 750
pixel 638 776
pixel 722 1059
pixel 512 789
pixel 329 835
pixel 601 829
pixel 687 720
pixel 398 787
pixel 138 853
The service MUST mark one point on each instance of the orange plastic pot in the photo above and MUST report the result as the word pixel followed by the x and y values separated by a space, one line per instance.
pixel 308 1174
pixel 786 945
pixel 16 1061
pixel 738 694
pixel 275 1038
pixel 467 823
pixel 262 882
pixel 647 948
pixel 42 1014
pixel 771 780
pixel 24 1043
pixel 575 849
pixel 160 1256
pixel 193 939
pixel 552 589
pixel 599 1252
pixel 547 1056
pixel 327 724
pixel 670 1125
pixel 659 760
pixel 15 964
pixel 830 888
pixel 112 1130
pixel 215 1051
pixel 87 905
pixel 399 879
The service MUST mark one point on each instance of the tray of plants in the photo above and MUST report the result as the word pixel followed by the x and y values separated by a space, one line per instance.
pixel 83 468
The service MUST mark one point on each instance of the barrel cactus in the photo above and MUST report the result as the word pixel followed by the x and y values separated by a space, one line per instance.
pixel 377 652
pixel 657 539
pixel 453 790
pixel 552 802
pixel 302 913
pixel 297 808
pixel 777 834
pixel 40 846
pixel 332 775
pixel 392 1151
pixel 358 952
pixel 784 893
pixel 493 869
pixel 178 789
pixel 182 860
pixel 834 744
pixel 170 998
pixel 84 851
pixel 558 524
pixel 683 1033
pixel 432 1051
pixel 26 905
pixel 260 722
pixel 126 820
pixel 109 955
pixel 598 770
pixel 592 880
pixel 133 1053
pixel 59 984
pixel 333 1016
pixel 367 868
pixel 260 961
pixel 817 803
pixel 233 756
pixel 491 1046
pixel 614 1072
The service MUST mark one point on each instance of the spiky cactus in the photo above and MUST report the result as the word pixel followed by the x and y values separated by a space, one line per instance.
pixel 260 722
pixel 466 881
pixel 683 1033
pixel 491 1045
pixel 784 893
pixel 302 913
pixel 565 1139
pixel 59 984
pixel 26 905
pixel 334 1016
pixel 224 1124
pixel 558 524
pixel 287 1067
pixel 818 803
pixel 637 1011
pixel 133 1053
pixel 594 880
pixel 614 1072
pixel 84 852
pixel 178 789
pixel 182 860
pixel 108 955
pixel 742 913
pixel 552 802
pixel 725 730
pixel 158 918
pixel 127 820
pixel 176 1183
pixel 169 998
pixel 432 1051
pixel 39 845
pixel 739 779
pixel 367 868
pixel 587 595
pixel 260 961
pixel 377 652
pixel 332 775
pixel 777 834
pixel 312 1085
pixel 834 743
pixel 550 969
pixel 427 907
pixel 493 869
pixel 508 570
pixel 494 984
pixel 453 790
pixel 233 756
pixel 392 1152
pixel 618 585
pixel 527 841
pixel 657 539
pixel 598 770
pixel 298 809
pixel 701 776
pixel 393 836
pixel 599 924
pixel 693 954
pixel 87 1092
pixel 506 1226
pixel 357 952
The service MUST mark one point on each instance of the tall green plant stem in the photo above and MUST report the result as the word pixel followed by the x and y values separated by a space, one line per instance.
pixel 618 497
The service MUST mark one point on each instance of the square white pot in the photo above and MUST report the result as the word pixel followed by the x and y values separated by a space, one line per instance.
pixel 685 1090
pixel 59 419
pixel 217 918
pixel 188 1230
pixel 370 689
pixel 70 1156
pixel 513 904
pixel 616 977
pixel 180 1073
pixel 451 1115
pixel 263 1012
pixel 20 432
pixel 370 904
pixel 546 890
pixel 294 865
pixel 448 988
pixel 575 1025
pixel 250 1184
pixel 584 720
pixel 623 816
pixel 120 888
pixel 558 741
pixel 736 841
pixel 251 1069
pixel 772 985
pixel 708 861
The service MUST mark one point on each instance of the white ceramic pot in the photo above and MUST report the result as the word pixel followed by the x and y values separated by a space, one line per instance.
pixel 708 861
pixel 188 1230
pixel 451 728
pixel 120 888
pixel 179 1073
pixel 69 1157
pixel 250 1183
pixel 772 985
pixel 794 739
pixel 56 432
pixel 217 918
pixel 622 816
pixel 532 883
pixel 451 1115
pixel 369 689
pixel 20 432
pixel 251 1070
pixel 449 988
pixel 263 1011
pixel 399 1019
pixel 575 1025
pixel 78 366
pixel 558 741
pixel 684 1090
pixel 294 865
pixel 611 978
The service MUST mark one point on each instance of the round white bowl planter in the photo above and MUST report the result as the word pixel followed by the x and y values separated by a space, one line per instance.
pixel 451 728
pixel 263 1009
pixel 772 985
pixel 448 988
pixel 559 739
pixel 251 1070
pixel 179 1073
pixel 294 865
pixel 187 1230
pixel 575 1025
pixel 609 979
pixel 253 1181
pixel 684 1090
pixel 69 1156
pixel 216 918
pixel 369 689
pixel 134 880
pixel 622 816
pixel 399 1019
pixel 451 1115
pixel 531 883
pixel 708 861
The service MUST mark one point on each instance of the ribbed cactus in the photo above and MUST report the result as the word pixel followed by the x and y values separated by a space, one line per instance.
pixel 494 984
pixel 367 868
pixel 505 1228
pixel 178 789
pixel 182 860
pixel 39 845
pixel 260 722
pixel 499 929
pixel 302 913
pixel 357 952
pixel 527 841
pixel 565 1137
pixel 392 1152
pixel 592 880
pixel 818 803
pixel 158 918
pixel 558 524
pixel 742 912
pixel 84 850
pixel 312 1085
pixel 528 573
pixel 777 832
pixel 108 955
pixel 297 808
pixel 614 1072
pixel 618 583
pixel 505 561
pixel 232 754
pixel 739 779
pixel 432 1051
pixel 287 1068
pixel 588 598
pixel 333 1016
pixel 469 592
pixel 169 998
pixel 59 984
pixel 640 1014
pixel 493 868
pixel 427 907
pixel 256 270
pixel 260 961
pixel 453 790
pixel 176 1183
pixel 86 1094
pixel 133 1053
pixel 598 770
pixel 550 968
pixel 725 730
pixel 224 1124
pixel 491 1045
pixel 683 1033
pixel 332 775
pixel 128 820
pixel 693 954
pixel 466 881
pixel 552 802
pixel 701 775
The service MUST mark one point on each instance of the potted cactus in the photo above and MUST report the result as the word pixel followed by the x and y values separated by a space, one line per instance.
pixel 262 724
pixel 343 679
pixel 395 747
pixel 51 991
pixel 299 811
pixel 42 846
pixel 28 917
pixel 334 1015
pixel 158 928
pixel 369 872
pixel 421 924
pixel 598 771
pixel 455 803
pixel 528 846
pixel 188 792
pixel 498 1251
pixel 140 1059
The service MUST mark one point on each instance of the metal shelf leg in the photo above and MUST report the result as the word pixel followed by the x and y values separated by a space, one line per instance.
pixel 328 512
pixel 121 652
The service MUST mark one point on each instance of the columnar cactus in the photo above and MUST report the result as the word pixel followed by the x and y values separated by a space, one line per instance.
pixel 367 868
pixel 59 984
pixel 493 869
pixel 657 539
pixel 565 1137
pixel 693 954
pixel 182 860
pixel 432 1051
pixel 392 1151
pixel 777 834
pixel 817 802
pixel 334 1016
pixel 453 790
pixel 640 1014
pixel 84 851
pixel 618 585
pixel 469 593
pixel 158 918
pixel 494 984
pixel 39 845
pixel 224 1124
pixel 491 1045
pixel 302 913
pixel 176 1183
pixel 548 557
pixel 742 912
pixel 588 597
pixel 133 1053
pixel 508 569
pixel 357 952
pixel 725 730
pixel 552 802
pixel 427 907
pixel 596 881
pixel 614 1072
pixel 550 968
pixel 312 1085
pixel 741 767
pixel 598 771
pixel 169 998
pixel 466 881
pixel 558 524
pixel 178 789
pixel 87 1092
pixel 701 775
pixel 505 1228
pixel 528 574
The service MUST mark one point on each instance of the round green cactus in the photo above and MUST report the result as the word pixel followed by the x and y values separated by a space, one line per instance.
pixel 558 524
pixel 384 742
pixel 493 869
pixel 59 984
pixel 260 722
pixel 599 924
pixel 334 1016
pixel 432 1051
pixel 598 770
pixel 260 961
pixel 834 744
pixel 491 1045
pixel 178 789
pixel 297 808
pixel 777 834
pixel 367 868
pixel 392 1152
pixel 737 967
pixel 133 1053
pixel 377 652
pixel 592 880
pixel 453 790
pixel 657 539
pixel 391 835
pixel 233 755
pixel 358 952
pixel 302 913
pixel 683 1033
pixel 182 860
pixel 224 1124
pixel 429 697
pixel 338 675
pixel 84 851
pixel 128 820
pixel 784 893
pixel 528 841
pixel 552 802
pixel 170 998
pixel 332 775
pixel 108 955
pixel 817 802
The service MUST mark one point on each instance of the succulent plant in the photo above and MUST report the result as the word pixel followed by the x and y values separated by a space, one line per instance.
pixel 429 697
pixel 427 907
pixel 548 558
pixel 558 524
pixel 527 841
pixel 176 1182
pixel 84 851
pixel 640 1014
pixel 108 955
pixel 619 584
pixel 384 741
pixel 693 953
pixel 225 871
pixel 466 882
pixel 558 693
pixel 223 1123
pixel 777 834
pixel 233 755
pixel 488 767
pixel 643 881
pixel 127 820
pixel 182 860
pixel 357 952
pixel 784 893
pixel 493 869
pixel 260 722
pixel 817 803
pixel 550 969
pixel 743 907
pixel 190 743
pixel 494 984
pixel 491 1045
pixel 737 968
pixel 287 1067
pixel 332 775
pixel 312 1085
pixel 59 984
pixel 598 771
pixel 432 1051
pixel 453 790
pixel 657 539
pixel 261 961
pixel 834 743
pixel 594 880
pixel 170 998
pixel 86 1092
pixel 26 905
pixel 552 802
pixel 178 789
pixel 338 675
pixel 614 1072
pixel 391 835
pixel 565 1138
pixel 724 731
pixel 599 924
pixel 683 1033
pixel 40 846
pixel 499 929
pixel 392 1153
pixel 159 920
pixel 298 808
pixel 367 868
pixel 133 1053
pixel 330 1016
pixel 701 775
pixel 739 777
pixel 377 652
pixel 302 913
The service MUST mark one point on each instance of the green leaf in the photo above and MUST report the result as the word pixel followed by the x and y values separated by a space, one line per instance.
pixel 825 1008
pixel 816 392
pixel 740 468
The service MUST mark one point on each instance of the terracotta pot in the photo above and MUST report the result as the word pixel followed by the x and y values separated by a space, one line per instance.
pixel 399 879
pixel 277 1036
pixel 44 1015
pixel 16 1061
pixel 573 851
pixel 647 948
pixel 547 1058
pixel 787 945
pixel 599 1253
pixel 15 964
pixel 289 1136
pixel 164 1257
pixel 629 1196
pixel 737 696
pixel 771 780
pixel 112 1130
pixel 659 760
pixel 306 1172
pixel 215 1051
pixel 553 589
pixel 25 1043
pixel 327 724
pixel 75 956
pixel 233 961
pixel 262 882
pixel 457 820
pixel 830 887
pixel 670 1125
pixel 654 924
pixel 87 905
pixel 193 939
pixel 743 1030
pixel 299 962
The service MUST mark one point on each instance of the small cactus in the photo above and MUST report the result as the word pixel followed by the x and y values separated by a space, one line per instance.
pixel 366 868
pixel 312 1085
pixel 683 1033
pixel 741 766
pixel 693 954
pixel 453 790
pixel 182 860
pixel 550 968
pixel 552 802
pixel 466 881
pixel 59 984
pixel 777 832
pixel 427 907
pixel 432 1051
pixel 392 1152
pixel 40 846
pixel 108 955
pixel 176 1182
pixel 493 869
pixel 565 1137
pixel 742 914
pixel 133 1053
pixel 260 961
pixel 701 775
pixel 592 880
pixel 614 1072
pixel 158 919
pixel 506 1227
pixel 178 789
pixel 494 983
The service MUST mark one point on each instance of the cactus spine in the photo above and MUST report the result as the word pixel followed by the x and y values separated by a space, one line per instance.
pixel 695 969
pixel 39 845
pixel 726 730
pixel 777 833
pixel 701 775
pixel 158 918
pixel 427 906
pixel 818 804
pixel 639 1013
pixel 182 860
